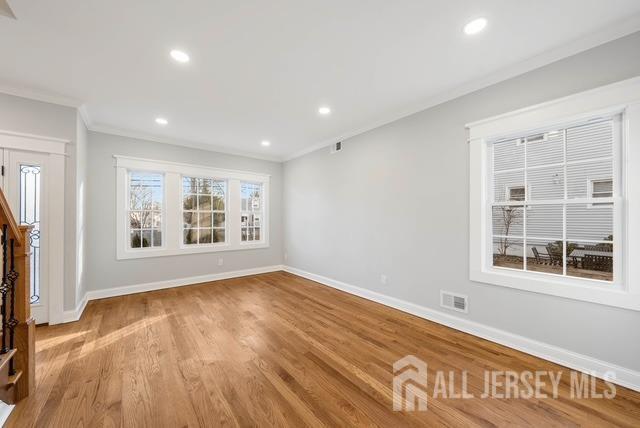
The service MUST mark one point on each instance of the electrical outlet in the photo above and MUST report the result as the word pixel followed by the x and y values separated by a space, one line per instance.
pixel 220 261
pixel 383 279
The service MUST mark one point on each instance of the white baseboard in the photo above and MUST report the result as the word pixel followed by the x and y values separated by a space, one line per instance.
pixel 5 412
pixel 75 314
pixel 623 376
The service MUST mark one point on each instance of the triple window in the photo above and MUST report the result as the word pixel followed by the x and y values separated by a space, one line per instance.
pixel 172 209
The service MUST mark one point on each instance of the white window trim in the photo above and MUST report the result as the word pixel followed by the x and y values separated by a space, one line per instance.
pixel 618 98
pixel 172 242
pixel 590 191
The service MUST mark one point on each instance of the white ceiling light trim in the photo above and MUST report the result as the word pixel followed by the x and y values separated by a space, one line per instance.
pixel 180 56
pixel 324 110
pixel 475 26
pixel 265 143
pixel 162 121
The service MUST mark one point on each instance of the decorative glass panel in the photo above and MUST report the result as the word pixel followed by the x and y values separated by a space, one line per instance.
pixel 30 215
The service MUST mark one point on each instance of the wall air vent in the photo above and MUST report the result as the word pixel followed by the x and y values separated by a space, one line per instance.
pixel 456 302
pixel 335 148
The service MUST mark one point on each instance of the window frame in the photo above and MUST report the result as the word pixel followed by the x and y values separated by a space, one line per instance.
pixel 262 208
pixel 565 201
pixel 621 98
pixel 128 211
pixel 173 172
pixel 226 214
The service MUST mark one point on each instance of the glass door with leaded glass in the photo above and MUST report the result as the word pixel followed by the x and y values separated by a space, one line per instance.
pixel 25 185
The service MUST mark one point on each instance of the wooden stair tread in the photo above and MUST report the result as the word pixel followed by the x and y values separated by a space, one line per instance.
pixel 13 379
pixel 5 358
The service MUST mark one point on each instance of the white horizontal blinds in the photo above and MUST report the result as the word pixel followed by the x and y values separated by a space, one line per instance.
pixel 564 224
pixel 146 198
pixel 252 206
pixel 204 204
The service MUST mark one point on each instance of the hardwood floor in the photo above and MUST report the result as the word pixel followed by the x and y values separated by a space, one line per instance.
pixel 275 350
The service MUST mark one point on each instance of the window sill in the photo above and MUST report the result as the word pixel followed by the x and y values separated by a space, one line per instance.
pixel 163 252
pixel 576 289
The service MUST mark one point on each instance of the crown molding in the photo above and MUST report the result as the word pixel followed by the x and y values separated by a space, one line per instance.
pixel 613 32
pixel 84 115
pixel 37 95
pixel 107 129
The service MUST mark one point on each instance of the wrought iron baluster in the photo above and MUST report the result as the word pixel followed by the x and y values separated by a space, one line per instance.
pixel 12 276
pixel 4 288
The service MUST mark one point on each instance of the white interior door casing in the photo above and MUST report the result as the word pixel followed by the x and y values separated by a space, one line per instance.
pixel 46 158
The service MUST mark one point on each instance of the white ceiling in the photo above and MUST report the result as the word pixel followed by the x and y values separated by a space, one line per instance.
pixel 260 69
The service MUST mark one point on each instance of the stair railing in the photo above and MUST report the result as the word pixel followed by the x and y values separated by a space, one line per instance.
pixel 18 326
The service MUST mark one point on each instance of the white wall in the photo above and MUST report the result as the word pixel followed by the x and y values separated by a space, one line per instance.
pixel 395 202
pixel 103 271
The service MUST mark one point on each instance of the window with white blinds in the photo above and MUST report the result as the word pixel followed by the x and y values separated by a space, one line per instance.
pixel 544 188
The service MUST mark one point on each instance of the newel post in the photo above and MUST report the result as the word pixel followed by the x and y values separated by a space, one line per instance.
pixel 25 333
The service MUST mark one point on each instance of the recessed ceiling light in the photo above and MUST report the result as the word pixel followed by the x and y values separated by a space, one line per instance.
pixel 475 26
pixel 179 56
pixel 266 143
pixel 161 121
pixel 324 110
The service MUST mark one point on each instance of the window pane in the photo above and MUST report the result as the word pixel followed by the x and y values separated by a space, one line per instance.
pixel 218 220
pixel 205 219
pixel 508 155
pixel 135 219
pixel 504 181
pixel 157 238
pixel 146 238
pixel 145 191
pixel 251 194
pixel 588 260
pixel 257 220
pixel 549 150
pixel 204 236
pixel 190 236
pixel 586 222
pixel 217 203
pixel 590 141
pixel 508 252
pixel 204 202
pixel 546 183
pixel 189 185
pixel 544 221
pixel 244 234
pixel 256 233
pixel 579 177
pixel 190 202
pixel 204 186
pixel 190 220
pixel 244 220
pixel 218 235
pixel 544 255
pixel 135 239
pixel 250 234
pixel 508 221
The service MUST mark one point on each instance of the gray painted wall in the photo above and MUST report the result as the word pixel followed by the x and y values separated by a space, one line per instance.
pixel 39 118
pixel 395 201
pixel 104 271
